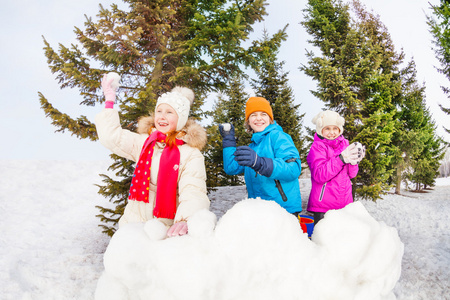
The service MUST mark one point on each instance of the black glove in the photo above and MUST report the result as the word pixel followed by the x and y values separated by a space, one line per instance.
pixel 228 139
pixel 246 156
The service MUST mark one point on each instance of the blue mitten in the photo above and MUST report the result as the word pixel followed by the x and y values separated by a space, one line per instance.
pixel 246 156
pixel 228 139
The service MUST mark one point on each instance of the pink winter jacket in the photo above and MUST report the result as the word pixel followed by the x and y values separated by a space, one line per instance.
pixel 330 177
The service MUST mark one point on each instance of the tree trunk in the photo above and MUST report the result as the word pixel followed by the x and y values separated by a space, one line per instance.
pixel 399 181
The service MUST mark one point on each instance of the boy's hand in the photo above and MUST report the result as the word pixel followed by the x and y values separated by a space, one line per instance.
pixel 246 156
pixel 228 139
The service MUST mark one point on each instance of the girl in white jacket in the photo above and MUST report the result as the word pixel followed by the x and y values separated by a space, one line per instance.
pixel 169 182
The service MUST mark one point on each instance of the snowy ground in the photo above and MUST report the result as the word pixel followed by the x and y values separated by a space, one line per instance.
pixel 51 247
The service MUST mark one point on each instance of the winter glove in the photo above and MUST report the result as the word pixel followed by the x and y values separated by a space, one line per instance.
pixel 179 228
pixel 228 139
pixel 350 154
pixel 108 91
pixel 246 156
pixel 361 151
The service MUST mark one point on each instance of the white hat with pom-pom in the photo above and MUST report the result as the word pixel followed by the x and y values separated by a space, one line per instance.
pixel 328 118
pixel 180 99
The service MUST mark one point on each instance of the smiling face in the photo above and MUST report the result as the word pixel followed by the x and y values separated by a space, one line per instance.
pixel 166 118
pixel 259 120
pixel 331 132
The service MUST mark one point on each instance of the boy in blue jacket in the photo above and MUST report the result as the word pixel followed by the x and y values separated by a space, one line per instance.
pixel 271 163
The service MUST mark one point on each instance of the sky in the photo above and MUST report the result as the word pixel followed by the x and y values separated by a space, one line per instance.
pixel 28 134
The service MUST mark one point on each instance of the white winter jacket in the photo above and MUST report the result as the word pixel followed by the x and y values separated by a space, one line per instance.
pixel 191 192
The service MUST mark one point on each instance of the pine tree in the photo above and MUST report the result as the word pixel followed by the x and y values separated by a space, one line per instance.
pixel 410 136
pixel 357 77
pixel 440 29
pixel 444 169
pixel 229 108
pixel 426 162
pixel 272 83
pixel 154 46
pixel 414 128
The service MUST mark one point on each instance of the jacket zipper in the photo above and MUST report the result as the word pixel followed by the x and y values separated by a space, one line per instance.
pixel 278 183
pixel 280 189
pixel 322 192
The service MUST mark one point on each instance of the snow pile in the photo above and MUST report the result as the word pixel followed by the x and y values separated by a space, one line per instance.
pixel 50 244
pixel 255 251
pixel 52 248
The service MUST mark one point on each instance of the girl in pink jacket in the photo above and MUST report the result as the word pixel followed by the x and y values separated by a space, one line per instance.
pixel 333 162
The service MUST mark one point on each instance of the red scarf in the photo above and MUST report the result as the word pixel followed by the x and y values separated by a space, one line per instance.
pixel 166 186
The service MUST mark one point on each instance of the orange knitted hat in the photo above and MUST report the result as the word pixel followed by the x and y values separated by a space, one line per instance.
pixel 257 104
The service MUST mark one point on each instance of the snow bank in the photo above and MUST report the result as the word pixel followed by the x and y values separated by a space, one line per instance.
pixel 255 251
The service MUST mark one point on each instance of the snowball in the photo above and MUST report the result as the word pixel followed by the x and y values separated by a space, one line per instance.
pixel 359 146
pixel 226 126
pixel 155 229
pixel 202 224
pixel 116 79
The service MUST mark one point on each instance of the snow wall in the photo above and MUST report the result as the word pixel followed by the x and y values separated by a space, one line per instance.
pixel 256 251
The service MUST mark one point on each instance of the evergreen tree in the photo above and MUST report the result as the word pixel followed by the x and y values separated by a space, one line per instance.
pixel 154 46
pixel 272 84
pixel 440 29
pixel 444 169
pixel 357 77
pixel 415 128
pixel 229 108
pixel 407 137
pixel 378 85
pixel 426 163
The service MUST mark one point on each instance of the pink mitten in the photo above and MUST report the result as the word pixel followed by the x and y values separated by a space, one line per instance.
pixel 108 90
pixel 179 228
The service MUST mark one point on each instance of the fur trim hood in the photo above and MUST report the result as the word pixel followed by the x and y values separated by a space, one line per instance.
pixel 195 134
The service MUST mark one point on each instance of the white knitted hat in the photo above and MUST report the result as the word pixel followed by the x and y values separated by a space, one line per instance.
pixel 180 99
pixel 328 118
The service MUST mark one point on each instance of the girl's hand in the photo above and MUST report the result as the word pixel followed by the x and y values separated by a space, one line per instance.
pixel 350 155
pixel 108 90
pixel 179 228
pixel 361 152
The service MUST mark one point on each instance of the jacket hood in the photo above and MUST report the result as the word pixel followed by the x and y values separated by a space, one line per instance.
pixel 195 134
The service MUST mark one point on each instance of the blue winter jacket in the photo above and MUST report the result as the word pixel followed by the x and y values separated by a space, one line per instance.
pixel 282 186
